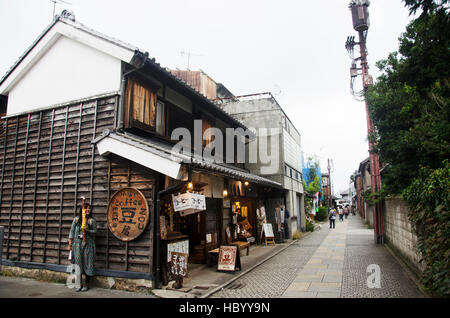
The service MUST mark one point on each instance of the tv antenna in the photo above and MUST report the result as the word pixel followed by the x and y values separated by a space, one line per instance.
pixel 58 2
pixel 189 54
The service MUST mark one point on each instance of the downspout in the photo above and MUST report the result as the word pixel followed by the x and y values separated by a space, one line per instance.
pixel 157 228
pixel 138 61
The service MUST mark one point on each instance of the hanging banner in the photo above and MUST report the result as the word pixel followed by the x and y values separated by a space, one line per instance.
pixel 316 202
pixel 128 214
pixel 188 203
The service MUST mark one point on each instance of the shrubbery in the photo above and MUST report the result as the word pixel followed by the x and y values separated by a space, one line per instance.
pixel 297 235
pixel 429 199
pixel 309 226
pixel 322 214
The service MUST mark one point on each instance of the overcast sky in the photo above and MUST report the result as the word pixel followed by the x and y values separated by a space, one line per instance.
pixel 294 49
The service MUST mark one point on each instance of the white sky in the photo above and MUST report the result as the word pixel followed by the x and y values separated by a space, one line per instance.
pixel 250 46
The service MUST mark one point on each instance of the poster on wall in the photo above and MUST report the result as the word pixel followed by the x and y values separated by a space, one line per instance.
pixel 128 214
pixel 177 247
pixel 188 203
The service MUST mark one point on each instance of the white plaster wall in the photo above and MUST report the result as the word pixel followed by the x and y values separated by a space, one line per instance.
pixel 68 71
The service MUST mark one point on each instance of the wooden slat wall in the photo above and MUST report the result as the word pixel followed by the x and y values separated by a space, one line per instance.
pixel 47 163
pixel 137 255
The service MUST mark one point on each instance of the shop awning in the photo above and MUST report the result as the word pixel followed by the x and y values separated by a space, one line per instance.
pixel 158 156
pixel 133 149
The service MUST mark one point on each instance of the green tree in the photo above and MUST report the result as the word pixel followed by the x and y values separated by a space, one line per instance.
pixel 409 105
pixel 409 102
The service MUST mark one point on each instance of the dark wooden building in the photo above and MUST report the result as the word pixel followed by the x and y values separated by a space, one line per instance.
pixel 89 115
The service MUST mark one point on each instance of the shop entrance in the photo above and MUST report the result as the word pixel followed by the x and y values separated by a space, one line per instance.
pixel 244 210
pixel 201 229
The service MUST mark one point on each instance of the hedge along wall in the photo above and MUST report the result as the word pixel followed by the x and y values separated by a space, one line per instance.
pixel 47 163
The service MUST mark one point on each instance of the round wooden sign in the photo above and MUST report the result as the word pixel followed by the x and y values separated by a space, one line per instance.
pixel 128 214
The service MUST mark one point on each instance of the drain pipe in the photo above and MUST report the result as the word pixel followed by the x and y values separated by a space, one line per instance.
pixel 138 61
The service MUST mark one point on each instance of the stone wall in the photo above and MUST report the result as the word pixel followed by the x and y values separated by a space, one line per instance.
pixel 399 233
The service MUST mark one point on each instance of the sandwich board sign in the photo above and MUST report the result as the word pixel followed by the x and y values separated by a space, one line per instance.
pixel 268 233
pixel 229 259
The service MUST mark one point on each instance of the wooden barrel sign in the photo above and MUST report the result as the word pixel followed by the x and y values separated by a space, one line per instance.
pixel 128 214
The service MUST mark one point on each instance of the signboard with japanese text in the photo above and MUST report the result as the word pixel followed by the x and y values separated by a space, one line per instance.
pixel 188 203
pixel 177 247
pixel 228 259
pixel 128 214
pixel 178 264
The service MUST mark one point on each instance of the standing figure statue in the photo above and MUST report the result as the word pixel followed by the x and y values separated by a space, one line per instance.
pixel 82 242
pixel 261 219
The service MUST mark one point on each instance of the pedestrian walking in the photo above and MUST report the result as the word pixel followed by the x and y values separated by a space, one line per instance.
pixel 82 243
pixel 341 214
pixel 332 218
pixel 346 211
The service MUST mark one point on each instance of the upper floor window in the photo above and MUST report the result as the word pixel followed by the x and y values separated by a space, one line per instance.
pixel 142 109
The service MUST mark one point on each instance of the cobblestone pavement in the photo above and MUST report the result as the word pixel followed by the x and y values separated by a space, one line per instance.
pixel 272 278
pixel 361 252
pixel 326 263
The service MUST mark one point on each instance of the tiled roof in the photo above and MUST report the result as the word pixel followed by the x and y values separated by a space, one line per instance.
pixel 163 149
pixel 163 70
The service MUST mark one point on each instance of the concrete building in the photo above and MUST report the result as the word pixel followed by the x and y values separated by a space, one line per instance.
pixel 284 140
pixel 91 116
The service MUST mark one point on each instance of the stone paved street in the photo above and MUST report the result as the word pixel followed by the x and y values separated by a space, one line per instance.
pixel 327 263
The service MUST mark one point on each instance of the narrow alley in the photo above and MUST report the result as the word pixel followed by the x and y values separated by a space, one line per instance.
pixel 337 263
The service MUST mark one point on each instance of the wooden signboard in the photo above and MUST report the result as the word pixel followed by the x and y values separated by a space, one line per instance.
pixel 128 214
pixel 268 233
pixel 178 264
pixel 229 259
pixel 178 268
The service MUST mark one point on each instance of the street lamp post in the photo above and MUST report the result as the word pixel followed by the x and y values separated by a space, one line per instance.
pixel 361 23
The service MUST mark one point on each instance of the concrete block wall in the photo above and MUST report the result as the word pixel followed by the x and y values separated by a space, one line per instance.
pixel 399 232
pixel 369 214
